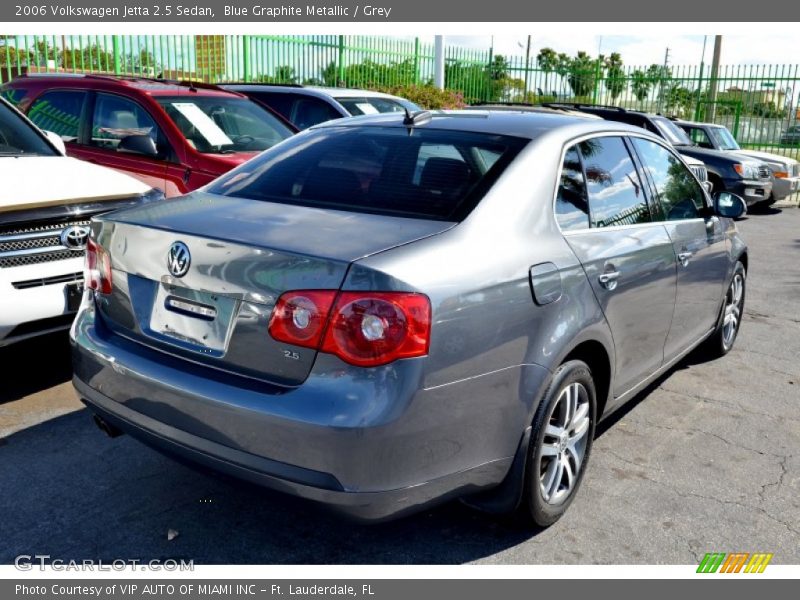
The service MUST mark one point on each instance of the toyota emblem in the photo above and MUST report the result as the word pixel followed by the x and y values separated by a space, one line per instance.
pixel 75 237
pixel 179 259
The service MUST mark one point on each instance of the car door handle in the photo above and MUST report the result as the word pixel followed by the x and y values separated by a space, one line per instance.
pixel 684 258
pixel 609 280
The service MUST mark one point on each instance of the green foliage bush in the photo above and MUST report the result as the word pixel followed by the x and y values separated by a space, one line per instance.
pixel 426 96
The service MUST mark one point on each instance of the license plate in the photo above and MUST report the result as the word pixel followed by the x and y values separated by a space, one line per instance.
pixel 74 294
pixel 197 320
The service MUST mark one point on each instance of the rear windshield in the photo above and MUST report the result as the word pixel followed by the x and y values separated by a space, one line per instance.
pixel 428 173
pixel 370 105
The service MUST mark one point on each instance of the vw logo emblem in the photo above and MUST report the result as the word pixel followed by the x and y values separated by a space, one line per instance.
pixel 75 237
pixel 179 259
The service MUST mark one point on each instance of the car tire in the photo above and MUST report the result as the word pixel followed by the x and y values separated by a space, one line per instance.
pixel 721 341
pixel 560 444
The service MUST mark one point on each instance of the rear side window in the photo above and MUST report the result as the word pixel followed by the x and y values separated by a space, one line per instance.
pixel 679 194
pixel 699 137
pixel 59 112
pixel 13 95
pixel 616 195
pixel 572 207
pixel 280 103
pixel 308 112
pixel 432 173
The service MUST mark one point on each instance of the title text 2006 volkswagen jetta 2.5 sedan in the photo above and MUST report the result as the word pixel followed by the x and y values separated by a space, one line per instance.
pixel 388 311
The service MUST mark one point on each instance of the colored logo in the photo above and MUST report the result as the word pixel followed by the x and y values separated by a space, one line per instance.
pixel 736 562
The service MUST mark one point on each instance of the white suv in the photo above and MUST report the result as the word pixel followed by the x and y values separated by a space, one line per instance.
pixel 46 203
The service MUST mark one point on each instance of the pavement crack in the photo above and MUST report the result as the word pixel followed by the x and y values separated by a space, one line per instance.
pixel 704 432
pixel 689 494
pixel 776 484
pixel 758 315
pixel 732 405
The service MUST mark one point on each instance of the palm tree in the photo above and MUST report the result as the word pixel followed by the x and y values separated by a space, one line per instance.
pixel 547 60
pixel 615 80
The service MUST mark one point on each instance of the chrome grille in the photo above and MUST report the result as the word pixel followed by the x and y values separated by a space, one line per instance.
pixel 35 244
pixel 764 172
pixel 700 172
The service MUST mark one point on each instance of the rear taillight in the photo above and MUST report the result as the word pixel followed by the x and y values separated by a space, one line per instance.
pixel 299 318
pixel 97 269
pixel 366 329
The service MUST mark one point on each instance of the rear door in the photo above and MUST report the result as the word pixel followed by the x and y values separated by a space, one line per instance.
pixel 628 258
pixel 698 241
pixel 61 112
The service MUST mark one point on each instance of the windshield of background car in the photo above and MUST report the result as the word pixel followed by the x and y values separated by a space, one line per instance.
pixel 674 134
pixel 215 124
pixel 724 138
pixel 17 138
pixel 430 173
pixel 371 105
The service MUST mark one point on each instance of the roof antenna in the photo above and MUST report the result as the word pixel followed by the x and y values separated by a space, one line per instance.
pixel 420 117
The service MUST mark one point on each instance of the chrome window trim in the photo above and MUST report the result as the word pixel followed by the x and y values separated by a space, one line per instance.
pixel 619 133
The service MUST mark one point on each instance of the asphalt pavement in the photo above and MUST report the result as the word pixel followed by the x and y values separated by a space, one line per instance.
pixel 706 460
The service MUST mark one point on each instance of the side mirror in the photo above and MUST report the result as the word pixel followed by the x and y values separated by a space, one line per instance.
pixel 138 144
pixel 56 140
pixel 729 205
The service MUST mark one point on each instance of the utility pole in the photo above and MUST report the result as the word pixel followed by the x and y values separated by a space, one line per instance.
pixel 527 68
pixel 438 61
pixel 712 86
pixel 700 81
pixel 661 79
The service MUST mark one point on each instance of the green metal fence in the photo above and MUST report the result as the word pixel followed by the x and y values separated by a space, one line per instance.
pixel 757 103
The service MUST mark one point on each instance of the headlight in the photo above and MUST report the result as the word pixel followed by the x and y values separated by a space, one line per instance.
pixel 746 170
pixel 152 195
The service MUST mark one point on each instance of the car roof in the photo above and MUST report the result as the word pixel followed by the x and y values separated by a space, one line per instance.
pixel 310 90
pixel 149 86
pixel 519 107
pixel 522 124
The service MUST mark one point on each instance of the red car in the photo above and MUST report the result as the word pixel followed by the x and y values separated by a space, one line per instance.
pixel 175 136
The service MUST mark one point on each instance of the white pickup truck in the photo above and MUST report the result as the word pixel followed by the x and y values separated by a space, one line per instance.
pixel 46 203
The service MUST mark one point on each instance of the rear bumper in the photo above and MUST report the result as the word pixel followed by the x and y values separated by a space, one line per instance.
pixel 386 450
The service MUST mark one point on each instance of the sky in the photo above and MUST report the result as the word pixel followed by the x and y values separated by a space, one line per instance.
pixel 768 48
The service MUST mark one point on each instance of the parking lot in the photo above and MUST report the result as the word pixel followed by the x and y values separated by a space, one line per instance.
pixel 705 460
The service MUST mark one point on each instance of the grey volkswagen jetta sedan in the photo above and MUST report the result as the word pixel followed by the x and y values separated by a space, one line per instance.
pixel 385 312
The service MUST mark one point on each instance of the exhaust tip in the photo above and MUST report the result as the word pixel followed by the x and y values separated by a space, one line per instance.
pixel 106 427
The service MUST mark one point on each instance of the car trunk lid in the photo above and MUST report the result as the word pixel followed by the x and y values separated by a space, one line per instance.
pixel 243 254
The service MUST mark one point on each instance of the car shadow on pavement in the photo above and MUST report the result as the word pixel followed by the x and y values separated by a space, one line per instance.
pixel 765 211
pixel 34 365
pixel 101 498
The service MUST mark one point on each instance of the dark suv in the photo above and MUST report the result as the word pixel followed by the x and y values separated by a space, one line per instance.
pixel 748 178
pixel 306 106
pixel 174 136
